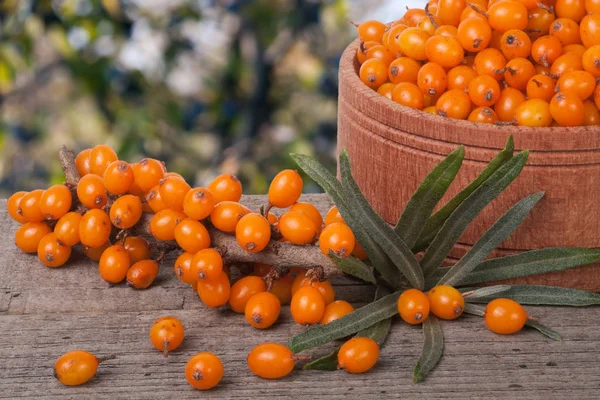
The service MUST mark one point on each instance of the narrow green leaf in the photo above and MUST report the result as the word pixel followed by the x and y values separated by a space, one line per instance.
pixel 436 221
pixel 378 332
pixel 474 309
pixel 543 329
pixel 333 188
pixel 541 295
pixel 353 266
pixel 349 324
pixel 430 192
pixel 379 230
pixel 475 294
pixel 433 348
pixel 528 263
pixel 497 234
pixel 456 224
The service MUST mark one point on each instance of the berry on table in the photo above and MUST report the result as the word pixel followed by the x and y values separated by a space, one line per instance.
pixel 243 289
pixel 13 206
pixel 114 264
pixel 29 235
pixel 204 371
pixel 297 228
pixel 184 271
pixel 446 302
pixel 166 334
pixel 29 206
pixel 142 273
pixel 271 361
pixel 77 367
pixel 336 310
pixel 505 316
pixel 138 248
pixel 310 211
pixel 52 252
pixel 358 355
pixel 214 293
pixel 307 306
pixel 67 228
pixel 262 310
pixel 413 306
pixel 163 224
pixel 333 215
pixel 226 215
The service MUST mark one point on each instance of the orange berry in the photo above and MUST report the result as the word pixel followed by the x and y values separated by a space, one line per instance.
pixel 204 371
pixel 101 157
pixel 163 223
pixel 155 200
pixel 271 361
pixel 566 30
pixel 192 236
pixel 566 63
pixel 592 6
pixel 214 293
pixel 67 228
pixel 373 73
pixel 577 49
pixel 483 115
pixel 508 14
pixel 138 248
pixel 534 112
pixel 592 114
pixel 307 306
pixel 518 72
pixel 253 232
pixel 403 69
pixel 580 83
pixel 118 177
pixel 414 16
pixel 358 355
pixel 454 103
pixel 449 11
pixel 474 34
pixel 208 264
pixel 505 316
pixel 243 289
pixel 114 264
pixel 297 228
pixel 573 9
pixel 444 50
pixel 225 187
pixel 381 53
pixel 324 287
pixel 409 95
pixel 336 310
pixel 29 235
pixel 173 191
pixel 262 310
pixel 412 43
pixel 55 202
pixel 432 79
pixel 52 252
pixel 333 215
pixel 541 87
pixel 311 212
pixel 540 20
pixel 490 62
pixel 371 30
pixel 282 288
pixel 142 273
pixel 226 215
pixel 183 269
pixel 13 206
pixel 459 77
pixel 591 60
pixel 446 302
pixel 198 203
pixel 545 50
pixel 29 206
pixel 76 367
pixel 386 90
pixel 567 109
pixel 148 173
pixel 83 162
pixel 94 228
pixel 166 334
pixel 91 191
pixel 337 238
pixel 126 211
pixel 515 43
pixel 413 306
pixel 484 91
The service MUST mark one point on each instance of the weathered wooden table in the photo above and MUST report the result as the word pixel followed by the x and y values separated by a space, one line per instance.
pixel 45 312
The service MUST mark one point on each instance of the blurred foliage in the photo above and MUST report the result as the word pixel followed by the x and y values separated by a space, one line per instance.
pixel 207 86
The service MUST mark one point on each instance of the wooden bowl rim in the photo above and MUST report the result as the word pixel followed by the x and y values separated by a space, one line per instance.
pixel 464 132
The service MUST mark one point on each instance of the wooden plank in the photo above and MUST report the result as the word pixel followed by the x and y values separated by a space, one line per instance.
pixel 45 312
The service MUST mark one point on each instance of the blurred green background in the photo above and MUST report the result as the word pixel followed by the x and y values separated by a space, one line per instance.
pixel 206 86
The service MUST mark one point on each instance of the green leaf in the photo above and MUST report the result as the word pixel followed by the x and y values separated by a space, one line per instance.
pixel 436 221
pixel 378 332
pixel 349 324
pixel 473 295
pixel 379 230
pixel 433 348
pixel 430 192
pixel 333 188
pixel 528 263
pixel 456 224
pixel 541 295
pixel 474 309
pixel 497 234
pixel 353 266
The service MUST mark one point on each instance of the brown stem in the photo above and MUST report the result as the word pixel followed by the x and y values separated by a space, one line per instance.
pixel 478 10
pixel 67 162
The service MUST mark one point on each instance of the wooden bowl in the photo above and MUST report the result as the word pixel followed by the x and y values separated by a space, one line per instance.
pixel 392 148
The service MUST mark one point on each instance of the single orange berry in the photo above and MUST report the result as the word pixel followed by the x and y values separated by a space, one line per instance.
pixel 91 191
pixel 77 367
pixel 515 43
pixel 29 206
pixel 253 232
pixel 409 95
pixel 154 200
pixel 204 371
pixel 52 252
pixel 371 30
pixel 271 361
pixel 373 73
pixel 358 355
pixel 589 28
pixel 141 274
pixel 336 310
pixel 29 235
pixel 225 187
pixel 333 215
pixel 282 288
pixel 118 177
pixel 413 306
pixel 13 206
pixel 163 224
pixel 208 264
pixel 226 215
pixel 567 109
pixel 490 62
pixel 307 306
pixel 55 202
pixel 243 289
pixel 138 248
pixel 192 235
pixel 114 264
pixel 94 228
pixel 126 211
pixel 337 238
pixel 148 173
pixel 198 203
pixel 101 157
pixel 183 269
pixel 214 293
pixel 172 191
pixel 592 114
pixel 449 11
pixel 262 310
pixel 166 334
pixel 518 73
pixel 545 50
pixel 83 162
pixel 324 287
pixel 541 87
pixel 310 211
pixel 402 69
pixel 285 188
pixel 581 83
pixel 272 218
pixel 483 115
pixel 505 316
pixel 590 60
pixel 94 253
pixel 446 302
pixel 454 103
pixel 534 113
pixel 508 102
pixel 445 51
pixel 297 228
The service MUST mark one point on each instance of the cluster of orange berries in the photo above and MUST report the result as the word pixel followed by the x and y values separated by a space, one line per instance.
pixel 502 316
pixel 525 62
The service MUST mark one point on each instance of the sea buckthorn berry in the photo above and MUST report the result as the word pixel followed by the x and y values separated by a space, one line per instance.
pixel 566 63
pixel 454 103
pixel 337 238
pixel 386 90
pixel 29 206
pixel 490 62
pixel 282 288
pixel 449 11
pixel 545 50
pixel 541 87
pixel 508 102
pixel 381 53
pixel 412 42
pixel 432 79
pixel 540 20
pixel 166 334
pixel 192 236
pixel 29 235
pixel 371 30
pixel 413 16
pixel 163 223
pixel 505 316
pixel 272 218
pixel 430 24
pixel 581 83
pixel 474 34
pixel 392 39
pixel 459 77
pixel 214 293
pixel 94 253
pixel 101 157
pixel 336 310
pixel 126 211
pixel 138 248
pixel 52 252
pixel 173 191
pixel 566 30
pixel 183 269
pixel 507 14
pixel 469 12
pixel 358 355
pixel 67 228
pixel 91 191
pixel 77 367
pixel 253 232
pixel 271 361
pixel 226 215
pixel 484 91
pixel 446 302
pixel 118 177
pixel 297 228
pixel 13 207
pixel 567 109
pixel 413 306
pixel 483 115
pixel 285 188
pixel 444 50
pixel 430 110
pixel 592 114
pixel 363 48
pixel 333 215
pixel 573 9
pixel 141 274
pixel 446 30
pixel 198 203
pixel 204 371
pixel 147 173
pixel 307 306
pixel 592 6
pixel 324 287
pixel 155 200
pixel 597 96
pixel 373 73
pixel 310 211
pixel 83 162
pixel 591 60
pixel 243 289
pixel 518 72
pixel 515 43
pixel 208 264
pixel 262 310
pixel 534 113
pixel 409 95
pixel 114 264
pixel 55 201
pixel 577 49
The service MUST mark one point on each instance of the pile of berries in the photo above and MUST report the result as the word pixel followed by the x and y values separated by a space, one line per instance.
pixel 515 62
